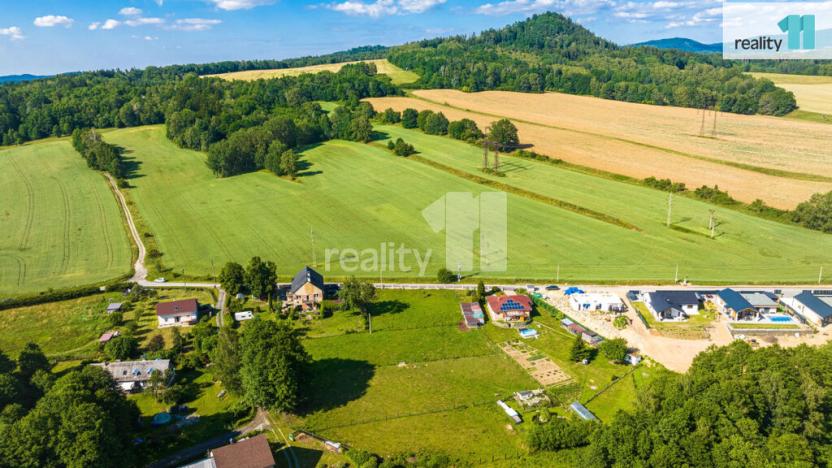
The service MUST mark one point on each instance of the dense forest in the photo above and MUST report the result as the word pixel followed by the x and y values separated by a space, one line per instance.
pixel 549 52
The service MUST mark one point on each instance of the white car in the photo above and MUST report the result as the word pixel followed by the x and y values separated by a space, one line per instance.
pixel 160 280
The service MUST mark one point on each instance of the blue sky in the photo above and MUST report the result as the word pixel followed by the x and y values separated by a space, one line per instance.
pixel 52 36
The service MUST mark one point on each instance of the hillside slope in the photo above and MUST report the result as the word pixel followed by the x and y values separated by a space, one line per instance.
pixel 681 43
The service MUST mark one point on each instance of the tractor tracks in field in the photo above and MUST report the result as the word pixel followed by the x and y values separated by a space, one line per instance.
pixel 67 253
pixel 30 206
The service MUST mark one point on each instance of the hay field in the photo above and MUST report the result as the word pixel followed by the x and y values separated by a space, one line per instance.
pixel 61 226
pixel 813 93
pixel 384 67
pixel 359 196
pixel 606 135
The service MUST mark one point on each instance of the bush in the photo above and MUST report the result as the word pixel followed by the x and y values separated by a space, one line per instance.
pixel 665 185
pixel 362 458
pixel 580 350
pixel 621 322
pixel 714 195
pixel 560 434
pixel 446 276
pixel 121 348
pixel 389 116
pixel 614 350
pixel 410 118
pixel 815 213
pixel 401 148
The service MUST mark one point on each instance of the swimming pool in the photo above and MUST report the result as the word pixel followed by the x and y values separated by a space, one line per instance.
pixel 780 318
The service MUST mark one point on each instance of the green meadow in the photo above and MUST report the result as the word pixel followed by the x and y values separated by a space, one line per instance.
pixel 60 225
pixel 745 249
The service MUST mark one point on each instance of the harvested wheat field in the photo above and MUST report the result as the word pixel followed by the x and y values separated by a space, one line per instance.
pixel 641 141
pixel 384 67
pixel 813 93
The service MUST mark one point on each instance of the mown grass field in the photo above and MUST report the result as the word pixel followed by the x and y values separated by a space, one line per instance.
pixel 61 226
pixel 780 161
pixel 746 248
pixel 384 67
pixel 813 93
pixel 359 196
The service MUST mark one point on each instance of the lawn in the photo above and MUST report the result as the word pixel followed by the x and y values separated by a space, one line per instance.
pixel 71 328
pixel 216 415
pixel 693 328
pixel 747 248
pixel 61 226
pixel 384 67
pixel 67 327
pixel 416 382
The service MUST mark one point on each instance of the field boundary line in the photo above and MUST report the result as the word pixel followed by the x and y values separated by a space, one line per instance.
pixel 564 205
pixel 737 165
pixel 30 206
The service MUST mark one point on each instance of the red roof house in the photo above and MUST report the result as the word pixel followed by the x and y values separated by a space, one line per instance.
pixel 177 313
pixel 511 311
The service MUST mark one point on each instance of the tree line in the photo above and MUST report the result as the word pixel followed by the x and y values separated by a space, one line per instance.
pixel 99 154
pixel 59 105
pixel 549 52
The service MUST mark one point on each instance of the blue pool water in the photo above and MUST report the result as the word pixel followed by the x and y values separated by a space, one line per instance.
pixel 780 318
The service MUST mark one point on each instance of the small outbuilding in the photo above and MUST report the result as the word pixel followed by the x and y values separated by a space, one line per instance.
pixel 582 412
pixel 243 316
pixel 114 307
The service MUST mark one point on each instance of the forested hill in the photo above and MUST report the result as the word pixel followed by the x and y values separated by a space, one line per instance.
pixel 549 52
pixel 681 43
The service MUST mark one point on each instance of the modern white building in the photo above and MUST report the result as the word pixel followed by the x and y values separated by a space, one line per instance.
pixel 813 306
pixel 177 313
pixel 605 302
pixel 672 305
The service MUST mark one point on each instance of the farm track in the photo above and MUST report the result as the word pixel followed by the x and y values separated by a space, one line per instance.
pixel 748 167
pixel 30 206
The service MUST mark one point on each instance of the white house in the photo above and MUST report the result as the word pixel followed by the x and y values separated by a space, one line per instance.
pixel 605 302
pixel 745 305
pixel 814 306
pixel 672 305
pixel 135 375
pixel 177 313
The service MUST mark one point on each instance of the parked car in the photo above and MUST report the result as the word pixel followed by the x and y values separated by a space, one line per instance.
pixel 553 287
pixel 531 288
pixel 160 280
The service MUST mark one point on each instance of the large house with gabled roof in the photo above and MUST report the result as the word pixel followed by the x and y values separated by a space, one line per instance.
pixel 510 311
pixel 306 291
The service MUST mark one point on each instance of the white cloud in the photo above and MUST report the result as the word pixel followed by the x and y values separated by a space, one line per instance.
pixel 384 7
pixel 143 21
pixel 94 26
pixel 708 16
pixel 151 38
pixel 194 24
pixel 13 32
pixel 239 4
pixel 567 7
pixel 130 11
pixel 49 21
pixel 110 24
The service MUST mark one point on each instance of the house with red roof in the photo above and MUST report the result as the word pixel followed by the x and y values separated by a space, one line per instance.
pixel 177 313
pixel 510 311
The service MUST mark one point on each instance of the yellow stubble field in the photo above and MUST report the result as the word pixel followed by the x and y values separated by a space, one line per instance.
pixel 752 156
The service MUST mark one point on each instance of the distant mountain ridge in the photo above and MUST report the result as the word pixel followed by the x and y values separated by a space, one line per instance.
pixel 20 78
pixel 681 43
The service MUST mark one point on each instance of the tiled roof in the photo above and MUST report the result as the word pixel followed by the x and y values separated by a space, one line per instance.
pixel 250 453
pixel 307 275
pixel 186 306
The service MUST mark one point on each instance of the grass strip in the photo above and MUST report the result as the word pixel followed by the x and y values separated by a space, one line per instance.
pixel 603 217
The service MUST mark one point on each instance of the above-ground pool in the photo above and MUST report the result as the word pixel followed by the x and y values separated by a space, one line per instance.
pixel 160 419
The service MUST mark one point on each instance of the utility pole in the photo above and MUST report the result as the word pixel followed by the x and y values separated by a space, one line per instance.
pixel 676 277
pixel 820 275
pixel 496 158
pixel 458 272
pixel 312 238
pixel 702 127
pixel 716 112
pixel 485 154
pixel 712 224
pixel 557 278
pixel 669 208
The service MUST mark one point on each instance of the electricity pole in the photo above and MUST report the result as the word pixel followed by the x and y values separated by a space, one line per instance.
pixel 712 224
pixel 669 208
pixel 716 112
pixel 458 272
pixel 820 275
pixel 557 279
pixel 676 277
pixel 485 155
pixel 702 127
pixel 312 238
